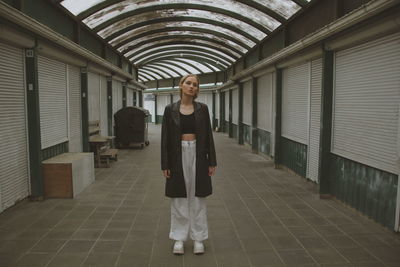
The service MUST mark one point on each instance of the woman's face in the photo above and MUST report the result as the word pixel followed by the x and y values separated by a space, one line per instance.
pixel 190 87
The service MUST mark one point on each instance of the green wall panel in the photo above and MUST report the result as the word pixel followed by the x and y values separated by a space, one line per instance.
pixel 235 131
pixel 264 142
pixel 54 151
pixel 111 56
pixel 294 156
pixel 226 126
pixel 247 133
pixel 369 190
pixel 90 42
pixel 159 119
pixel 10 2
pixel 49 15
pixel 252 58
pixel 273 44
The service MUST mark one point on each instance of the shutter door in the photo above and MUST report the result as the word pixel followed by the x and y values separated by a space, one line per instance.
pixel 75 129
pixel 14 172
pixel 94 96
pixel 117 96
pixel 235 106
pixel 53 101
pixel 129 97
pixel 247 103
pixel 295 97
pixel 149 105
pixel 227 105
pixel 103 106
pixel 217 105
pixel 176 97
pixel 264 102
pixel 315 119
pixel 366 104
pixel 162 102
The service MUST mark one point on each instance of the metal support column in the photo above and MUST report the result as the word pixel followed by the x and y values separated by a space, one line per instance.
pixel 254 118
pixel 85 110
pixel 278 119
pixel 109 106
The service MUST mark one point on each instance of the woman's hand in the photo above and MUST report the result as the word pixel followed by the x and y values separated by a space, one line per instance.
pixel 211 170
pixel 166 173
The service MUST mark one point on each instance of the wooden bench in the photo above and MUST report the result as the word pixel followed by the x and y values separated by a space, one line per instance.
pixel 94 127
pixel 108 154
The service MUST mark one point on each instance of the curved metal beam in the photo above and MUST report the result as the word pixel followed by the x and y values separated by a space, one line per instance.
pixel 141 77
pixel 180 6
pixel 148 74
pixel 183 48
pixel 191 29
pixel 179 66
pixel 160 72
pixel 177 37
pixel 198 59
pixel 177 54
pixel 174 19
pixel 164 66
pixel 185 43
pixel 264 9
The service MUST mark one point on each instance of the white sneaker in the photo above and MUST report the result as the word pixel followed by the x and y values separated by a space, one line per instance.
pixel 178 248
pixel 198 247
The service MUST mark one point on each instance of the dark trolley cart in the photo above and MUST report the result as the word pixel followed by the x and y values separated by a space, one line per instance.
pixel 131 127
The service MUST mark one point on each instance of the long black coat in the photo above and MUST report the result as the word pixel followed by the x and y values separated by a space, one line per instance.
pixel 171 150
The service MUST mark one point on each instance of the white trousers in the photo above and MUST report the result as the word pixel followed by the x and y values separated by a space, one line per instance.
pixel 189 215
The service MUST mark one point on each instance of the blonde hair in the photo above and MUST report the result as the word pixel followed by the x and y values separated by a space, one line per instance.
pixel 183 79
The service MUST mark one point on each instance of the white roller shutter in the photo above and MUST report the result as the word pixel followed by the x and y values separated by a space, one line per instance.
pixel 162 102
pixel 103 106
pixel 94 96
pixel 149 105
pixel 315 119
pixel 117 96
pixel 217 106
pixel 247 102
pixel 129 97
pixel 75 119
pixel 176 97
pixel 264 102
pixel 366 103
pixel 227 105
pixel 53 101
pixel 295 102
pixel 235 106
pixel 14 170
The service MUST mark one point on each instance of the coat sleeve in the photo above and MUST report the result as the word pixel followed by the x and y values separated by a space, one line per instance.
pixel 212 158
pixel 164 140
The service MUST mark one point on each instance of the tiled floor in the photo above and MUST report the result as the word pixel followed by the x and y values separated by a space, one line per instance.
pixel 258 216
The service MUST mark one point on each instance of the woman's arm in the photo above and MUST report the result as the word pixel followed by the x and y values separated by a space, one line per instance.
pixel 212 158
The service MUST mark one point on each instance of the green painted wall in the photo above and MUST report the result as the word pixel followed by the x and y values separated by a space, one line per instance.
pixel 226 127
pixel 49 15
pixel 90 42
pixel 159 119
pixel 112 57
pixel 273 44
pixel 294 156
pixel 369 190
pixel 264 142
pixel 235 131
pixel 10 2
pixel 247 133
pixel 252 58
pixel 54 151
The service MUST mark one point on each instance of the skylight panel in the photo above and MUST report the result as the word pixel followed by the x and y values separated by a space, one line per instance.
pixel 76 6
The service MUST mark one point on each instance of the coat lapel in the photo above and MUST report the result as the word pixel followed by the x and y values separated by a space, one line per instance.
pixel 175 114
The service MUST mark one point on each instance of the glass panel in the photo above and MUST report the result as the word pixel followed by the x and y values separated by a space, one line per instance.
pixel 186 66
pixel 231 5
pixel 179 70
pixel 183 53
pixel 76 6
pixel 170 72
pixel 179 47
pixel 186 56
pixel 182 13
pixel 166 25
pixel 181 33
pixel 285 8
pixel 204 68
pixel 131 52
pixel 144 72
pixel 144 76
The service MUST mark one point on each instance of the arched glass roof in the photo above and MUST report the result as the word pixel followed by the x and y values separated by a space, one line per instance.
pixel 169 38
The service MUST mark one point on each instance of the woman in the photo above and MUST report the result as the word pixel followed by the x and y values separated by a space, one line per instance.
pixel 188 161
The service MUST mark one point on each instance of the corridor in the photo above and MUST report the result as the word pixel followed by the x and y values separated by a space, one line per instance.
pixel 258 216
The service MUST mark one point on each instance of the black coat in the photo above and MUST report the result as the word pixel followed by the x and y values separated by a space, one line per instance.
pixel 171 150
